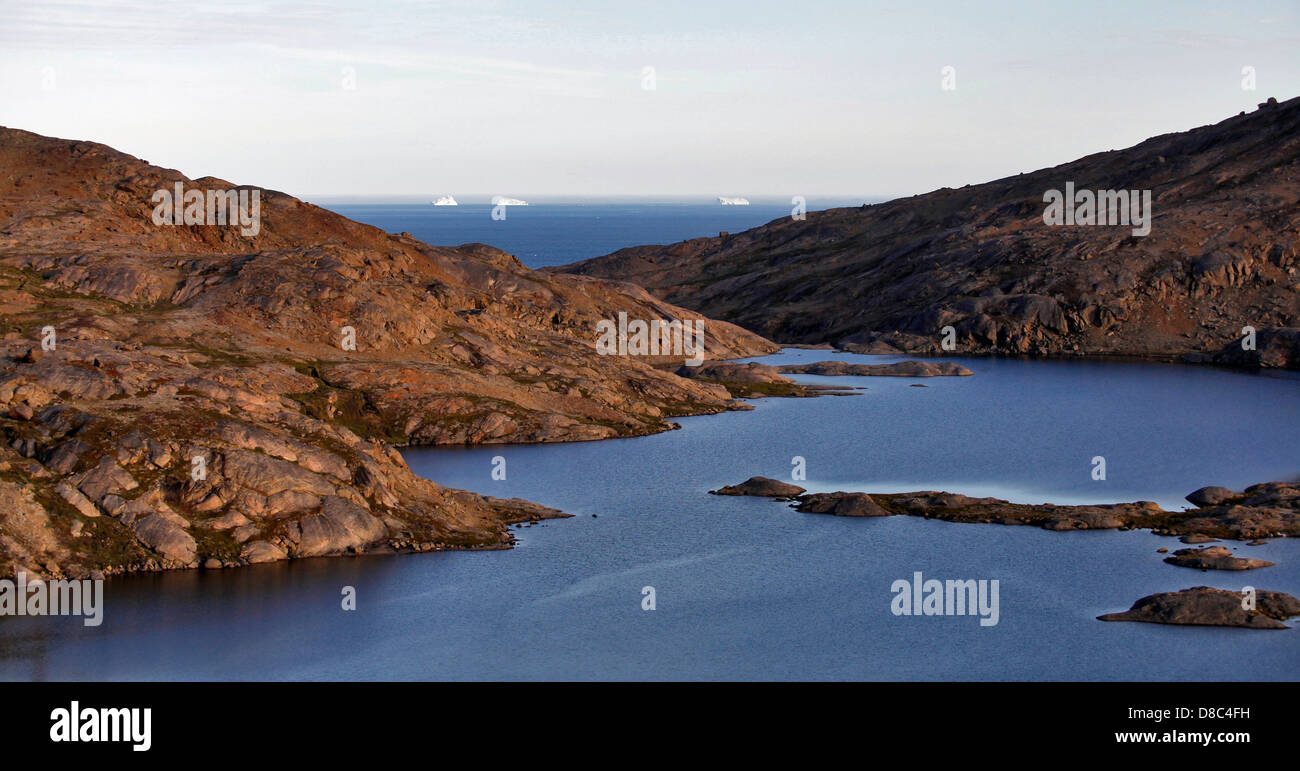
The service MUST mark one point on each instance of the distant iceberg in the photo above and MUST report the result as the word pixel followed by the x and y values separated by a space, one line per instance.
pixel 726 201
pixel 446 200
pixel 499 200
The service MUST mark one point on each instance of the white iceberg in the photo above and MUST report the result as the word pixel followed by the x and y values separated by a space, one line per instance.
pixel 499 200
pixel 729 201
pixel 446 200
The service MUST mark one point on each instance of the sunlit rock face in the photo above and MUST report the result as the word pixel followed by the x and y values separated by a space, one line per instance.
pixel 196 393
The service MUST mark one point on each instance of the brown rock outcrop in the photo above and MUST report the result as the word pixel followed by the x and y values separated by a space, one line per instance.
pixel 1260 511
pixel 219 398
pixel 1269 509
pixel 897 369
pixel 1210 496
pixel 1206 606
pixel 841 505
pixel 754 380
pixel 1213 558
pixel 761 486
pixel 740 373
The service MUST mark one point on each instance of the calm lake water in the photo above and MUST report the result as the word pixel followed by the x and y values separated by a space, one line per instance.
pixel 748 588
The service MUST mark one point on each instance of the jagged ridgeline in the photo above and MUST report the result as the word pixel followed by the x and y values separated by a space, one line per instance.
pixel 176 393
pixel 1222 254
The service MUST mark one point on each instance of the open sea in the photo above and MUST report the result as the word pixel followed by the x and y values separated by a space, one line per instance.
pixel 561 231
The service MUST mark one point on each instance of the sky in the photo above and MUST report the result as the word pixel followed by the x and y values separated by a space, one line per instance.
pixel 752 98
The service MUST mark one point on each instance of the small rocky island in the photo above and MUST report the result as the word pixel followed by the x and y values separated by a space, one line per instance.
pixel 1213 558
pixel 1265 510
pixel 896 369
pixel 1207 606
pixel 754 380
pixel 763 487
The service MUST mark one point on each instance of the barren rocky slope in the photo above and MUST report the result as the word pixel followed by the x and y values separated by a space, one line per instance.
pixel 198 405
pixel 1223 253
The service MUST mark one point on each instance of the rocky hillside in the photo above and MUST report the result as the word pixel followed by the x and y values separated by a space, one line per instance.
pixel 1223 253
pixel 196 400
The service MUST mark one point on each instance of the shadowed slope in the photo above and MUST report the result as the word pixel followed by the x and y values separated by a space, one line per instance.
pixel 1223 253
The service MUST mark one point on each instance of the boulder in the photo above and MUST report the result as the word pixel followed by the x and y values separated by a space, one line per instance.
pixel 165 537
pixel 1213 558
pixel 761 486
pixel 106 478
pixel 341 525
pixel 262 551
pixel 74 497
pixel 1210 496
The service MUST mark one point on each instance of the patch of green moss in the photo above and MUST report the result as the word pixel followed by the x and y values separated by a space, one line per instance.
pixel 348 408
pixel 214 543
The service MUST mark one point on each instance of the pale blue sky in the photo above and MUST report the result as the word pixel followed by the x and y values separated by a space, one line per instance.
pixel 518 98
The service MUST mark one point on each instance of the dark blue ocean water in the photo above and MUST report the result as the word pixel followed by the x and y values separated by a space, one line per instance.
pixel 555 233
pixel 748 588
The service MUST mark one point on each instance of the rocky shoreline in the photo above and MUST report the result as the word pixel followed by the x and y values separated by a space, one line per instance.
pixel 184 395
pixel 1268 510
pixel 1271 509
pixel 895 369
pixel 755 380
